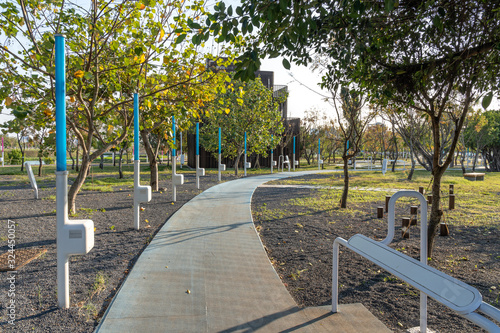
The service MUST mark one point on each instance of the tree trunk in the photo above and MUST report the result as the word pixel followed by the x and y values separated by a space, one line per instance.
pixel 101 164
pixel 462 159
pixel 120 170
pixel 22 152
pixel 153 161
pixel 72 160
pixel 77 162
pixel 236 162
pixel 396 154
pixel 345 191
pixel 78 183
pixel 412 170
pixel 39 166
pixel 436 211
pixel 257 162
pixel 475 161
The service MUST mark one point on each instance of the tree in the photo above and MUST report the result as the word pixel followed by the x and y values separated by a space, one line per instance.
pixel 352 123
pixel 310 132
pixel 491 140
pixel 244 107
pixel 17 127
pixel 476 130
pixel 416 54
pixel 111 50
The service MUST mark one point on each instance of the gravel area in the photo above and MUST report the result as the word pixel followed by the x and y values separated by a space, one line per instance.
pixel 94 277
pixel 299 241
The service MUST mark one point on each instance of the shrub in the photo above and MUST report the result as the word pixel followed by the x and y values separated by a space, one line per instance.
pixel 48 160
pixel 14 156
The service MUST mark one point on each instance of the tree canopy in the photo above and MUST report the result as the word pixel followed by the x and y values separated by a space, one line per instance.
pixel 244 107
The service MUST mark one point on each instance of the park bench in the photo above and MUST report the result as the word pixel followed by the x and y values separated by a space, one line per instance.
pixel 474 176
pixel 447 290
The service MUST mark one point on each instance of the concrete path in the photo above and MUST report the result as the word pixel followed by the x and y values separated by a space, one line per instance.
pixel 207 271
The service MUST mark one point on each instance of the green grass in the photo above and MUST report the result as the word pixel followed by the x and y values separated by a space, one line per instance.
pixel 477 203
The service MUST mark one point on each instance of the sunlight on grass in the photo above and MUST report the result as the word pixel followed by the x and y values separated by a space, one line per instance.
pixel 477 202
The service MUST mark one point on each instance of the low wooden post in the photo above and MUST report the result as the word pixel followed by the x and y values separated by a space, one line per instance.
pixel 413 213
pixel 451 201
pixel 380 212
pixel 387 198
pixel 443 229
pixel 429 199
pixel 405 227
pixel 421 190
pixel 452 189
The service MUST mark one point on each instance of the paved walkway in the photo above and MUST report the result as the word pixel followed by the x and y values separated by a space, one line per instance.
pixel 207 271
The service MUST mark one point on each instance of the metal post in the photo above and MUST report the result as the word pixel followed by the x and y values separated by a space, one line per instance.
pixel 197 154
pixel 137 162
pixel 77 237
pixel 3 158
pixel 182 160
pixel 319 154
pixel 245 160
pixel 272 159
pixel 61 173
pixel 219 166
pixel 174 162
pixel 293 158
pixel 423 241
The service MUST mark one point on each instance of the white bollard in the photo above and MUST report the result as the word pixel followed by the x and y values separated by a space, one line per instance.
pixel 384 166
pixel 141 193
pixel 245 163
pixel 73 238
pixel 177 179
pixel 222 167
pixel 272 161
pixel 199 172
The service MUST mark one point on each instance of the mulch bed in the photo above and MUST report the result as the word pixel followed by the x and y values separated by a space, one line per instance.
pixel 299 245
pixel 117 246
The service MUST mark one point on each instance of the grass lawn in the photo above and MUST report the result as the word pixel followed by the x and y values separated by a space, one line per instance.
pixel 477 202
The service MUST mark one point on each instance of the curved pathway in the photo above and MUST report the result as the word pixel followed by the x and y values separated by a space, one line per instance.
pixel 207 271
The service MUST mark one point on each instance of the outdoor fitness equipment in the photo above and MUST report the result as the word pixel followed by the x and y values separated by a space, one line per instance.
pixel 177 179
pixel 445 289
pixel 222 167
pixel 142 193
pixel 77 236
pixel 273 163
pixel 31 176
pixel 199 171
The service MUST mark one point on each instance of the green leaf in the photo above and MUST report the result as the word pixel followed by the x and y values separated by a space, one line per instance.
pixel 230 10
pixel 286 64
pixel 389 5
pixel 180 39
pixel 239 11
pixel 437 22
pixel 487 100
pixel 88 75
pixel 138 50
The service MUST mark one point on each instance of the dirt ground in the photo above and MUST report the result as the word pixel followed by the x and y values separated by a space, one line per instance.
pixel 299 244
pixel 94 277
